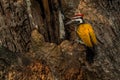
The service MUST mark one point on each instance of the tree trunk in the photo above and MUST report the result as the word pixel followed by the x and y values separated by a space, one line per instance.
pixel 14 25
pixel 104 16
pixel 36 28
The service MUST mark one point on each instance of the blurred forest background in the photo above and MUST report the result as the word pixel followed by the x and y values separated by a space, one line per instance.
pixel 35 43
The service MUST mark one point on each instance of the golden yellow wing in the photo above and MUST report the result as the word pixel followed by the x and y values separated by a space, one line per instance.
pixel 87 34
pixel 92 35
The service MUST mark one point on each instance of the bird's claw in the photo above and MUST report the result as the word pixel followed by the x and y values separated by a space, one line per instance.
pixel 79 41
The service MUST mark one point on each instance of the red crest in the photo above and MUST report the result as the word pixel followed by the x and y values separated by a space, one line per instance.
pixel 78 15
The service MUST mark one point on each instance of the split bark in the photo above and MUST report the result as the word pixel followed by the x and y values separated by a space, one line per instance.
pixel 60 59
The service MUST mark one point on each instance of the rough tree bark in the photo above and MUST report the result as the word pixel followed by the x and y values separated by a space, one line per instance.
pixel 32 27
pixel 14 25
pixel 104 16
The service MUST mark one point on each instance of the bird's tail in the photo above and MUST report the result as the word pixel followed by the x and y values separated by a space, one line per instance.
pixel 90 54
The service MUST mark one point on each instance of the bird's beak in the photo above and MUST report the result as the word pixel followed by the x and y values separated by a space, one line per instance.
pixel 69 22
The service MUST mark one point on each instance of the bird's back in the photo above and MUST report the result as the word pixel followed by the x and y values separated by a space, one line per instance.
pixel 87 34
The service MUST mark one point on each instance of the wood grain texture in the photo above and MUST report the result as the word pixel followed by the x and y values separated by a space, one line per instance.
pixel 48 56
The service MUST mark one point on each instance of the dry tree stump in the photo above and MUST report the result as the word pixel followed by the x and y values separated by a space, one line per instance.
pixel 31 47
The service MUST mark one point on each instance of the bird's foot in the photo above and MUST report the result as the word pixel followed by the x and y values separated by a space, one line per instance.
pixel 79 41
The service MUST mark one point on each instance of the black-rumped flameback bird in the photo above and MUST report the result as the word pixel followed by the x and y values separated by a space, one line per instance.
pixel 85 33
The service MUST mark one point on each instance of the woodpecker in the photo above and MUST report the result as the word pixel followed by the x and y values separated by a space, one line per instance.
pixel 84 30
pixel 86 34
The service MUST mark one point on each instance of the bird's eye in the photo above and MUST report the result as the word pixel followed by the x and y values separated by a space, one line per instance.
pixel 79 20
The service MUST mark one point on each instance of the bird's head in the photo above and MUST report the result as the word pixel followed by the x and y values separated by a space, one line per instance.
pixel 77 19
